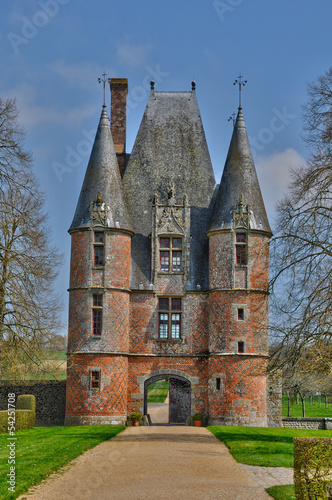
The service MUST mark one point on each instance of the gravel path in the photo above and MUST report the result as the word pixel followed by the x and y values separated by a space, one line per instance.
pixel 155 463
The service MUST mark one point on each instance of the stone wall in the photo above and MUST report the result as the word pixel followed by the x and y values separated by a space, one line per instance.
pixel 274 398
pixel 307 423
pixel 50 399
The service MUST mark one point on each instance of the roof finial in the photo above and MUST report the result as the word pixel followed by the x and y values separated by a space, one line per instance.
pixel 193 85
pixel 103 80
pixel 241 84
pixel 233 118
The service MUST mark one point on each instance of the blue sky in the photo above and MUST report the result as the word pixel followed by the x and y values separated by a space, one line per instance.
pixel 53 51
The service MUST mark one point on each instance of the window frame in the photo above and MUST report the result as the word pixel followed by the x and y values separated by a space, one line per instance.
pixel 98 248
pixel 170 318
pixel 171 254
pixel 241 246
pixel 240 347
pixel 97 315
pixel 92 380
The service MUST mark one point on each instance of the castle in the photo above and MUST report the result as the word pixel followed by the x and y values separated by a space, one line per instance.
pixel 169 272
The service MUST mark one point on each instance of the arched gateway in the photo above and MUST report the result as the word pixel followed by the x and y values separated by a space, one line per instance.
pixel 179 397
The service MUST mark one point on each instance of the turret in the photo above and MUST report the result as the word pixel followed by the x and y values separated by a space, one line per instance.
pixel 99 290
pixel 238 234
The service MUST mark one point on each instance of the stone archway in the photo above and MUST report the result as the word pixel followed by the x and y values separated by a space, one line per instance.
pixel 179 400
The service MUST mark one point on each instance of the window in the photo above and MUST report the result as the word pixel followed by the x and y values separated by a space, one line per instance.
pixel 240 347
pixel 98 248
pixel 170 318
pixel 170 254
pixel 218 383
pixel 97 314
pixel 94 379
pixel 241 249
pixel 240 314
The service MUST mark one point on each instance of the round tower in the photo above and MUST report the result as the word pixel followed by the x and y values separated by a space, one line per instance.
pixel 98 336
pixel 238 235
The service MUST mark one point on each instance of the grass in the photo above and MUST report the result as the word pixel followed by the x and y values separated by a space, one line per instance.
pixel 158 391
pixel 43 450
pixel 266 447
pixel 313 411
pixel 263 446
pixel 284 492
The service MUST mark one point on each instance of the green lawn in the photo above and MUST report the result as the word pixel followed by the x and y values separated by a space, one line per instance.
pixel 310 410
pixel 43 450
pixel 158 391
pixel 266 447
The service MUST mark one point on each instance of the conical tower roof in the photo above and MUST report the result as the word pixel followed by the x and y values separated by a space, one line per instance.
pixel 102 183
pixel 239 183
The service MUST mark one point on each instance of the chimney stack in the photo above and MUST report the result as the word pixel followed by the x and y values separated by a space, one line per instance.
pixel 119 91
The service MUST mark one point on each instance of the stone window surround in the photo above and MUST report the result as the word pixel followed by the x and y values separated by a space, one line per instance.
pixel 96 291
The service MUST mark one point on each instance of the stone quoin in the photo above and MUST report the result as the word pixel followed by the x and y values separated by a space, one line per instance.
pixel 169 272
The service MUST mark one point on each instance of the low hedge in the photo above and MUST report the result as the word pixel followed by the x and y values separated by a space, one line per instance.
pixel 312 467
pixel 24 419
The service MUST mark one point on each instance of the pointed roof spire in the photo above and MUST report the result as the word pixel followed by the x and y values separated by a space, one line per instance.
pixel 102 190
pixel 239 178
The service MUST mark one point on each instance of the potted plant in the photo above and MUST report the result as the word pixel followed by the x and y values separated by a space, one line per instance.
pixel 135 418
pixel 197 418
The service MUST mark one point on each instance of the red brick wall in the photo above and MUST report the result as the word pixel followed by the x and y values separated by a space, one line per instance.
pixel 225 330
pixel 144 325
pixel 259 261
pixel 220 260
pixel 118 254
pixel 119 91
pixel 80 259
pixel 241 399
pixel 111 400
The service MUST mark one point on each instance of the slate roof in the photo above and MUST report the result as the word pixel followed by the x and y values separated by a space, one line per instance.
pixel 102 176
pixel 239 177
pixel 170 146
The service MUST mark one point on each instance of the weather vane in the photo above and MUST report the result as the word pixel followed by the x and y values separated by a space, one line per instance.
pixel 232 117
pixel 103 80
pixel 241 83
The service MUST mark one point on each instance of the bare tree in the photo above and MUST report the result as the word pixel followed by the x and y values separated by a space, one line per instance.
pixel 13 157
pixel 29 309
pixel 301 251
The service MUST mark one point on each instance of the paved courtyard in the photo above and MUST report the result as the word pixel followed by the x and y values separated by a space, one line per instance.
pixel 155 463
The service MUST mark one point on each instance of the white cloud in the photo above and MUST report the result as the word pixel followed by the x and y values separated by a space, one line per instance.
pixel 84 75
pixel 33 115
pixel 133 55
pixel 274 175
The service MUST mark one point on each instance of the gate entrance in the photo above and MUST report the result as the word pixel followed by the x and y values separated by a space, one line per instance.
pixel 167 399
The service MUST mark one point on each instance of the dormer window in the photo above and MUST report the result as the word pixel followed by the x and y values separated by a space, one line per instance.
pixel 170 254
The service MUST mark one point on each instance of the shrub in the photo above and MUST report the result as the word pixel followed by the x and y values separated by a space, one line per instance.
pixel 136 416
pixel 312 467
pixel 26 402
pixel 197 417
pixel 24 419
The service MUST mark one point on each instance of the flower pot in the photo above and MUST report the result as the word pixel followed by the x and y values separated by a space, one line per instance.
pixel 135 423
pixel 198 423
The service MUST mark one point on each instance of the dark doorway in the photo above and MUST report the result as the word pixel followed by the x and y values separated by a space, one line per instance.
pixel 176 407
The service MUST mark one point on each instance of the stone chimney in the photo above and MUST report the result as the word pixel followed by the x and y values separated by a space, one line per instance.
pixel 119 91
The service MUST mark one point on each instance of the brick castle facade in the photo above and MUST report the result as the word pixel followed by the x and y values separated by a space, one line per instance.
pixel 169 272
